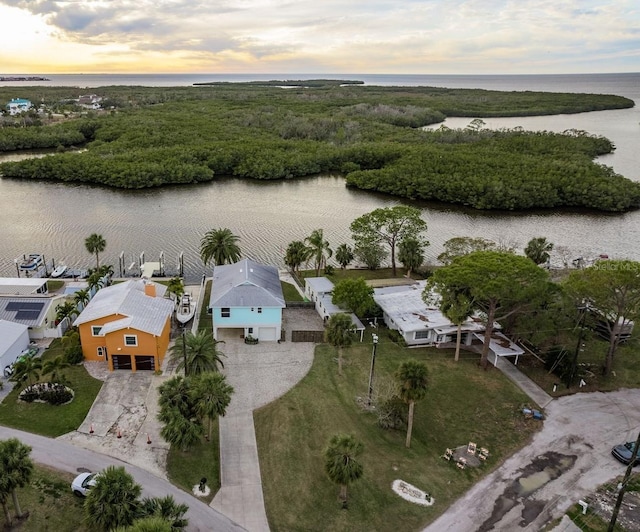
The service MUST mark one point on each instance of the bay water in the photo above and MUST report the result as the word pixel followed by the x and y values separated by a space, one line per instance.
pixel 55 218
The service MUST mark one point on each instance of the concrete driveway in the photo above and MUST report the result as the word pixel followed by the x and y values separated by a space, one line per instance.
pixel 127 404
pixel 259 374
pixel 564 463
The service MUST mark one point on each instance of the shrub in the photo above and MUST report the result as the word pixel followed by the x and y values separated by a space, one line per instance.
pixel 47 392
pixel 392 413
pixel 73 355
pixel 396 337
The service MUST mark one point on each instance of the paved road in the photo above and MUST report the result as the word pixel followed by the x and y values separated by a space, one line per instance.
pixel 565 462
pixel 66 457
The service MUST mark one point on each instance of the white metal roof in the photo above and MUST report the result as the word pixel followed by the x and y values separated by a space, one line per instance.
pixel 9 333
pixel 405 306
pixel 320 285
pixel 138 310
pixel 18 286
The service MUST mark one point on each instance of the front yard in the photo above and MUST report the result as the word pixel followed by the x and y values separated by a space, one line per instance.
pixel 463 404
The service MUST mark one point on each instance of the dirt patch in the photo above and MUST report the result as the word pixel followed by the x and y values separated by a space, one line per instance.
pixel 604 499
pixel 542 470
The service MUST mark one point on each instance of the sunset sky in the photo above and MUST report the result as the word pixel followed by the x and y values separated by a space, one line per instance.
pixel 320 36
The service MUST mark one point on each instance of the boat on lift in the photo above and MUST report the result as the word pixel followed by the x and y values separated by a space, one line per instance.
pixel 58 271
pixel 31 262
pixel 186 308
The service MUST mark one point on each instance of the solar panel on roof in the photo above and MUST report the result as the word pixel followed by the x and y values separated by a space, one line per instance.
pixel 27 314
pixel 24 305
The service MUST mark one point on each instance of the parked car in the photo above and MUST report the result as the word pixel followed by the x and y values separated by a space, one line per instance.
pixel 83 483
pixel 624 452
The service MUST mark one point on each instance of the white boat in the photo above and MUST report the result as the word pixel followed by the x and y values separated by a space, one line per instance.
pixel 30 262
pixel 186 308
pixel 58 271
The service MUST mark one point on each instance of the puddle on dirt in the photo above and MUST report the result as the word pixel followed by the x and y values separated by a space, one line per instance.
pixel 539 472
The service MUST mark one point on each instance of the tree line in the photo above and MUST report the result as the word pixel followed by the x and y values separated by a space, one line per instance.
pixel 157 137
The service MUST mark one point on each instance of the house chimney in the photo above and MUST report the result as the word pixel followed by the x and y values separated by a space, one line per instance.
pixel 150 289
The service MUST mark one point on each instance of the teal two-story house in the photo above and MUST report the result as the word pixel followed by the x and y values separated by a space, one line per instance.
pixel 247 300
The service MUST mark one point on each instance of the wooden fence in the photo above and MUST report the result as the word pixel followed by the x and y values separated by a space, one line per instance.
pixel 316 337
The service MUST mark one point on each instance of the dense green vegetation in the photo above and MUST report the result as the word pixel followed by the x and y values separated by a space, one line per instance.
pixel 157 136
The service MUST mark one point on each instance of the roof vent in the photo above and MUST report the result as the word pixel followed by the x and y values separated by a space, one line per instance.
pixel 251 270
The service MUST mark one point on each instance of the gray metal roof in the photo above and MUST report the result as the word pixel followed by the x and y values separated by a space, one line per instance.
pixel 138 310
pixel 246 284
pixel 29 311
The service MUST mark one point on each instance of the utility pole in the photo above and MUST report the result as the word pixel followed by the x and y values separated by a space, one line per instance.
pixel 184 353
pixel 574 365
pixel 623 486
pixel 374 337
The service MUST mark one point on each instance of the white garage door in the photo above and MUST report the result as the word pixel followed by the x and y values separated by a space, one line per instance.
pixel 267 334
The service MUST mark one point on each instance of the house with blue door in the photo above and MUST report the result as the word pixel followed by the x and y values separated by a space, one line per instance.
pixel 246 300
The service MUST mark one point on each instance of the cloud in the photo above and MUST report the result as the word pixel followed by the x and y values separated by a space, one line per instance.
pixel 370 36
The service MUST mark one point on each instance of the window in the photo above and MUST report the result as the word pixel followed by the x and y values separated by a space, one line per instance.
pixel 102 351
pixel 95 330
pixel 225 312
pixel 250 330
pixel 259 310
pixel 130 340
pixel 421 335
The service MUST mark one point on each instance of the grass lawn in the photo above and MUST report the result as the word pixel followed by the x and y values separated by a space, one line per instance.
pixel 205 323
pixel 463 404
pixel 50 503
pixel 203 460
pixel 290 292
pixel 51 420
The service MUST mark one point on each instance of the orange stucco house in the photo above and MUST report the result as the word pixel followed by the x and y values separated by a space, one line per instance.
pixel 127 325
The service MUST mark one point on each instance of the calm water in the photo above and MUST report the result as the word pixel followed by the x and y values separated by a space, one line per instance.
pixel 54 218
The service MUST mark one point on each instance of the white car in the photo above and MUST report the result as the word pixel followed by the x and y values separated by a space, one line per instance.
pixel 83 483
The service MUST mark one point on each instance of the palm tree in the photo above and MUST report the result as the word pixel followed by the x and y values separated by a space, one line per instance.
pixel 196 353
pixel 179 430
pixel 413 387
pixel 221 245
pixel 16 468
pixel 339 333
pixel 538 250
pixel 318 248
pixel 181 426
pixel 66 310
pixel 82 297
pixel 113 501
pixel 167 510
pixel 297 253
pixel 457 308
pixel 411 254
pixel 54 368
pixel 27 369
pixel 344 255
pixel 175 286
pixel 341 464
pixel 213 396
pixel 95 244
